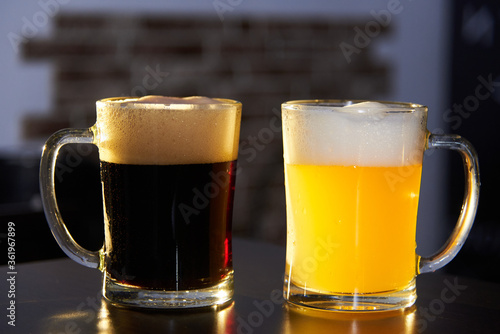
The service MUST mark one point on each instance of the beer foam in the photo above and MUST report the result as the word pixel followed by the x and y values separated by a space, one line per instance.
pixel 367 108
pixel 168 100
pixel 168 130
pixel 361 134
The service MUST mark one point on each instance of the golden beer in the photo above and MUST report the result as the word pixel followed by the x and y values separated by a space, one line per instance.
pixel 346 221
pixel 352 182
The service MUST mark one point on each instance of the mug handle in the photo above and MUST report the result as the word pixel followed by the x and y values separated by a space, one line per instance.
pixel 48 161
pixel 469 207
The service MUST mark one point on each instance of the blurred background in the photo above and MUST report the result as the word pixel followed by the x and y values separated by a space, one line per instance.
pixel 59 56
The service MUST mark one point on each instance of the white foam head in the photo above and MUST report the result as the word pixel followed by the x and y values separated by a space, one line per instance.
pixel 168 130
pixel 359 134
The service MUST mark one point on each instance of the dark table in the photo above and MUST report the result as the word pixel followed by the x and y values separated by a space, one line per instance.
pixel 60 296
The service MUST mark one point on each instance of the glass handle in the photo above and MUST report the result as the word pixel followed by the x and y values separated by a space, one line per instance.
pixel 47 188
pixel 469 207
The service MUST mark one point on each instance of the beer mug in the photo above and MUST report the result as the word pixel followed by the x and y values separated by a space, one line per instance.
pixel 352 180
pixel 167 170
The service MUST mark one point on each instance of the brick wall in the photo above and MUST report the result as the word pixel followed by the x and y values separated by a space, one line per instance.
pixel 260 62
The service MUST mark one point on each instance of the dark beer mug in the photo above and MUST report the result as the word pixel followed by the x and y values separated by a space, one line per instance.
pixel 167 172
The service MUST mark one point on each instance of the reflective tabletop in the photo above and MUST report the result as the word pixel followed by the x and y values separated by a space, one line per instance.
pixel 60 296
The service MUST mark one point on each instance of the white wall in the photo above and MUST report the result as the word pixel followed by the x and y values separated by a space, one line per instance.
pixel 417 48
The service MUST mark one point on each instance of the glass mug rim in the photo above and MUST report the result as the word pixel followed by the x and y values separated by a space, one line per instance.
pixel 123 101
pixel 392 107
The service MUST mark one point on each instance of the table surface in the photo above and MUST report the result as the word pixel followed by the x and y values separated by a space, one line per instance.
pixel 60 296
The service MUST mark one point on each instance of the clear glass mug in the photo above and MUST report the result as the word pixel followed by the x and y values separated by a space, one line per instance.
pixel 352 180
pixel 167 174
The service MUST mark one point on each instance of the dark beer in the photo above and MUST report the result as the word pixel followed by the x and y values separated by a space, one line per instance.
pixel 168 226
pixel 168 170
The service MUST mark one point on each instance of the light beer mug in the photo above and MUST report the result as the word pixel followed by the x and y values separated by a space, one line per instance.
pixel 167 171
pixel 352 180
